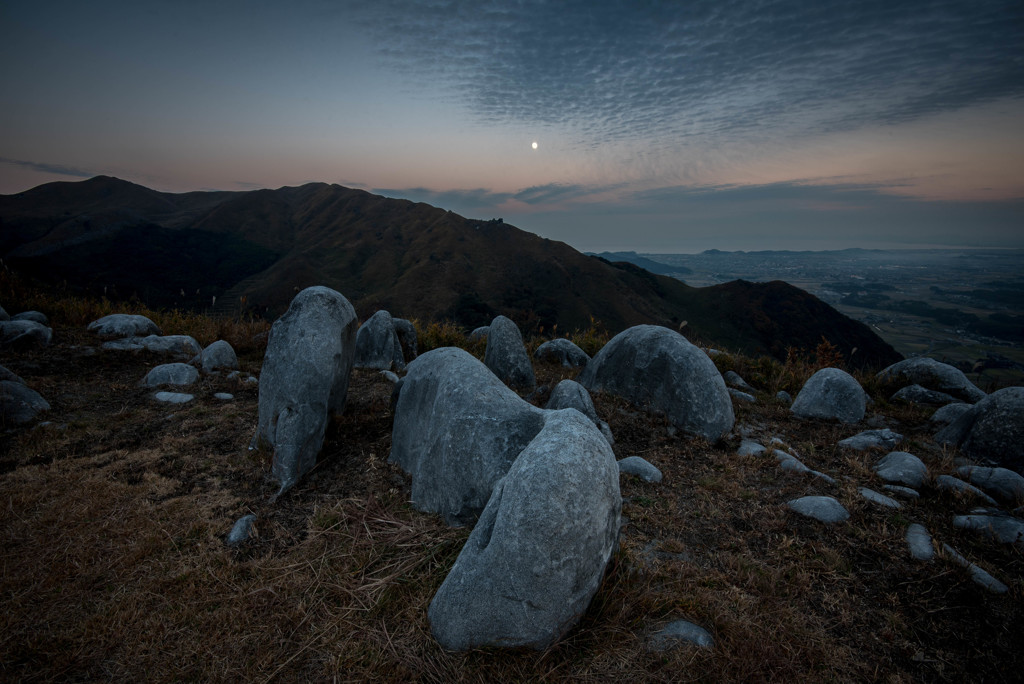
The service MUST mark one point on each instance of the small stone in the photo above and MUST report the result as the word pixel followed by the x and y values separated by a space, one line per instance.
pixel 880 499
pixel 223 396
pixel 784 397
pixel 953 484
pixel 173 397
pixel 171 374
pixel 902 467
pixel 241 530
pixel 634 465
pixel 680 632
pixel 823 508
pixel 920 542
pixel 915 394
pixel 905 492
pixel 979 576
pixel 741 396
pixel 733 379
pixel 750 448
pixel 389 376
pixel 872 439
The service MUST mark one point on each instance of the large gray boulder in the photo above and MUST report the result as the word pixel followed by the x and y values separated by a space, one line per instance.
pixel 305 379
pixel 538 553
pixel 457 430
pixel 19 404
pixel 562 352
pixel 992 430
pixel 218 356
pixel 949 413
pixel 659 369
pixel 506 355
pixel 37 316
pixel 24 335
pixel 4 316
pixel 119 326
pixel 377 344
pixel 831 393
pixel 933 375
pixel 171 374
pixel 407 338
pixel 872 439
pixel 178 346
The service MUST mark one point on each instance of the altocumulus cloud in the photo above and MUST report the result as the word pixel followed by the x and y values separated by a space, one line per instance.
pixel 625 71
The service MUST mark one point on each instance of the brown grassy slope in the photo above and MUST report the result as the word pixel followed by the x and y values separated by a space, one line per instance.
pixel 114 565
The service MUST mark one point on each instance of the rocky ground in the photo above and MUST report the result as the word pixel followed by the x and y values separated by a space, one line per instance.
pixel 115 566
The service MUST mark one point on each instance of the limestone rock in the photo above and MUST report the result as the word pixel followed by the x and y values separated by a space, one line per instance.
pixel 1000 482
pixel 750 448
pixel 377 344
pixel 933 375
pixel 538 553
pixel 506 356
pixel 992 430
pixel 24 335
pixel 880 499
pixel 833 394
pixel 679 632
pixel 457 430
pixel 173 397
pixel 119 326
pixel 223 396
pixel 407 339
pixel 915 394
pixel 905 492
pixel 241 529
pixel 954 484
pixel 4 316
pixel 218 356
pixel 659 369
pixel 479 333
pixel 949 413
pixel 35 316
pixel 741 396
pixel 562 352
pixel 634 465
pixel 8 375
pixel 872 439
pixel 305 379
pixel 978 575
pixel 823 508
pixel 1004 529
pixel 733 379
pixel 920 542
pixel 902 467
pixel 571 394
pixel 784 397
pixel 180 346
pixel 19 404
pixel 170 374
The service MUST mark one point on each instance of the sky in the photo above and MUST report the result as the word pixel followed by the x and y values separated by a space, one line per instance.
pixel 659 126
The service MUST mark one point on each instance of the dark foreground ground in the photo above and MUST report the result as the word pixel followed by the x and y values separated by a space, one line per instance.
pixel 114 566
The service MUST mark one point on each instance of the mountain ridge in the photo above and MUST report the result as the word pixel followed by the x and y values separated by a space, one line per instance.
pixel 411 258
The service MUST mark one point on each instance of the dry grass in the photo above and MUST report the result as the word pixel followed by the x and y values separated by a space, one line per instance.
pixel 112 525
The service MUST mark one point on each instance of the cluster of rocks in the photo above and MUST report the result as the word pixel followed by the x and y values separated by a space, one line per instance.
pixel 134 333
pixel 19 403
pixel 541 485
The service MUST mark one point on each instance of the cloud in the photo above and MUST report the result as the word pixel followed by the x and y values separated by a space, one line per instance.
pixel 621 70
pixel 42 167
pixel 456 200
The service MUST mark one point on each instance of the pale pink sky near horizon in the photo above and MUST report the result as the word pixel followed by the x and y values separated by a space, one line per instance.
pixel 668 128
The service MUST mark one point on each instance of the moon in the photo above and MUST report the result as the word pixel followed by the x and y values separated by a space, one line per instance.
pixel 534 146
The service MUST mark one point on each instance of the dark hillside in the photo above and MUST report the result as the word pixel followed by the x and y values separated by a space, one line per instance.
pixel 256 249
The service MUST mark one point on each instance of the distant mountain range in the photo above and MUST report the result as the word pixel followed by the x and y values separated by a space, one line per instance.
pixel 258 248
